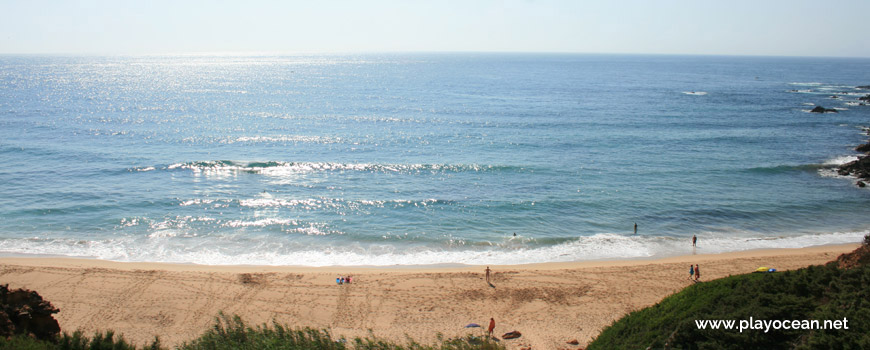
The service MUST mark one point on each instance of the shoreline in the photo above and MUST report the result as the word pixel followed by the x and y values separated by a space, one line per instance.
pixel 77 261
pixel 550 303
pixel 11 256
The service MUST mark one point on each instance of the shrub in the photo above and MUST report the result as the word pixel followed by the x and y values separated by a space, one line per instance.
pixel 100 341
pixel 821 293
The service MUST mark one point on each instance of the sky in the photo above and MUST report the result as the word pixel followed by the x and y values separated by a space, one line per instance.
pixel 705 27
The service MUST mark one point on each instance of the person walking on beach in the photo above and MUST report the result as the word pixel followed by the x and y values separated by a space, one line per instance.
pixel 487 274
pixel 694 240
pixel 491 326
pixel 697 273
pixel 691 272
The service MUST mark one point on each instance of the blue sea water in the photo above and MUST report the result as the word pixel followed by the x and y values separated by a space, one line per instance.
pixel 405 159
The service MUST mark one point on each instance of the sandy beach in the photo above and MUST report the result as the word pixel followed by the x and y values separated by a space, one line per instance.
pixel 550 304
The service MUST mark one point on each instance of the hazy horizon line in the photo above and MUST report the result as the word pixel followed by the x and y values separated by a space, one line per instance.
pixel 399 52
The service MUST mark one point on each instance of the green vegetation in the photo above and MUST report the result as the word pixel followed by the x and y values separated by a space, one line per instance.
pixel 230 333
pixel 76 341
pixel 814 293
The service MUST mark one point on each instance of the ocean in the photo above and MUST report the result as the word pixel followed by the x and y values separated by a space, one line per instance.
pixel 416 159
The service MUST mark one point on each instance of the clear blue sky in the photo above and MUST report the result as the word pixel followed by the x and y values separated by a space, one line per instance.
pixel 730 27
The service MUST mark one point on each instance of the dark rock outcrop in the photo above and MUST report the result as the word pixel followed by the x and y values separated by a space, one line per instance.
pixel 863 148
pixel 23 311
pixel 820 109
pixel 865 87
pixel 859 168
pixel 864 98
pixel 858 257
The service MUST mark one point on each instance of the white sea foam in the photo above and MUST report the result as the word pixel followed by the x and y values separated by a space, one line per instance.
pixel 695 93
pixel 128 222
pixel 260 223
pixel 269 202
pixel 288 169
pixel 167 247
pixel 829 167
pixel 840 160
pixel 287 139
pixel 831 172
pixel 165 234
pixel 197 201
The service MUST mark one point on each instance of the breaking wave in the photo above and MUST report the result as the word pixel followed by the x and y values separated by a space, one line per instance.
pixel 235 250
pixel 281 167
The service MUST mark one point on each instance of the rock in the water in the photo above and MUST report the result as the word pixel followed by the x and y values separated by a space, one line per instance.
pixel 865 87
pixel 863 148
pixel 860 168
pixel 861 184
pixel 864 98
pixel 820 109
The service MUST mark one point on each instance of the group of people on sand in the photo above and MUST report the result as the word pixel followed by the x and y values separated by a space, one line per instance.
pixel 343 280
pixel 694 271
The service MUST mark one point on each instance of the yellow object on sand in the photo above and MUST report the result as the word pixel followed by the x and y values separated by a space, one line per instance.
pixel 762 269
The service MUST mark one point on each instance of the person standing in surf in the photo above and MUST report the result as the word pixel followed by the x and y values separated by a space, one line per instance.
pixel 694 240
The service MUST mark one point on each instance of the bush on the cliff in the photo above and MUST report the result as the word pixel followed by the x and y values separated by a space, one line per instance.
pixel 24 312
pixel 230 333
pixel 821 293
pixel 76 341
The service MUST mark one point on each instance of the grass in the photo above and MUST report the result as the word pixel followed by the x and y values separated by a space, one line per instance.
pixel 814 293
pixel 231 333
